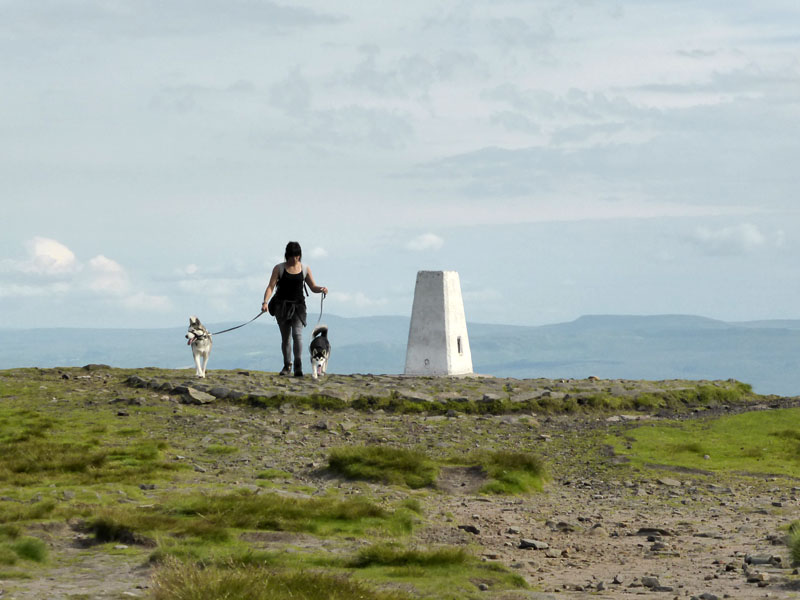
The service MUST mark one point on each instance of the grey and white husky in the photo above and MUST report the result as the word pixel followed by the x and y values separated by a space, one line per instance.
pixel 320 349
pixel 200 340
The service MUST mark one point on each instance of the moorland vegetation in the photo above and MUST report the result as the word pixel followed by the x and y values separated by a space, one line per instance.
pixel 307 493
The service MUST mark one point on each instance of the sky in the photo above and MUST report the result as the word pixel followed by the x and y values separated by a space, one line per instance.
pixel 566 157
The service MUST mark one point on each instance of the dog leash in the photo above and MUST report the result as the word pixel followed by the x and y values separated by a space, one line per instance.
pixel 243 324
pixel 321 300
pixel 263 311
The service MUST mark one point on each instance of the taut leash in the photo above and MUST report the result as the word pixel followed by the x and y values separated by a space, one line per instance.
pixel 243 324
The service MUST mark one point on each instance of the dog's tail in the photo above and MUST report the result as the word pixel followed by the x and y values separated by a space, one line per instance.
pixel 320 330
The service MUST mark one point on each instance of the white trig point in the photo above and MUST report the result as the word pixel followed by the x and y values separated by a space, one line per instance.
pixel 437 338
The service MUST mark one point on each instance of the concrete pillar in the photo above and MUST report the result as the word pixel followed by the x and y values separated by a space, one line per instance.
pixel 437 338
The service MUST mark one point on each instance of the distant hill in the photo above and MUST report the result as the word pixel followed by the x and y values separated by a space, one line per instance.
pixel 765 354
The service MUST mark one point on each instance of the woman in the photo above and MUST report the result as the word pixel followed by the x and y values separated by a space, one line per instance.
pixel 290 304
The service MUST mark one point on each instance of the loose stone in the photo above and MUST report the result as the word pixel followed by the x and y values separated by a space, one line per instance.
pixel 533 544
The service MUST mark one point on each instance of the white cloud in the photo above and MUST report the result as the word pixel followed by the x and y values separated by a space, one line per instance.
pixel 426 241
pixel 51 268
pixel 451 114
pixel 318 252
pixel 52 257
pixel 108 276
pixel 728 241
pixel 46 257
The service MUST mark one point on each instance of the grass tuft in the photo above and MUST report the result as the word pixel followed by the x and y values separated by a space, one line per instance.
pixel 398 466
pixel 30 548
pixel 275 512
pixel 14 548
pixel 511 472
pixel 273 474
pixel 221 449
pixel 395 556
pixel 7 556
pixel 183 581
pixel 13 512
pixel 124 524
pixel 794 543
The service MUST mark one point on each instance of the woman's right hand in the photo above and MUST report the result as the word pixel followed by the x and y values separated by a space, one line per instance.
pixel 264 307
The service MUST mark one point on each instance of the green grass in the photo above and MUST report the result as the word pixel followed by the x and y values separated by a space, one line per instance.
pixel 221 449
pixel 72 446
pixel 386 464
pixel 511 472
pixel 444 572
pixel 14 575
pixel 37 456
pixel 394 555
pixel 15 547
pixel 693 395
pixel 66 451
pixel 794 543
pixel 766 442
pixel 15 512
pixel 182 581
pixel 270 474
pixel 276 512
pixel 210 518
pixel 30 548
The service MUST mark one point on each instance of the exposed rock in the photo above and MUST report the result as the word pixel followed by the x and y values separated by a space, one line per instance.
pixel 754 576
pixel 136 381
pixel 414 396
pixel 195 396
pixel 562 526
pixel 669 482
pixel 533 544
pixel 653 531
pixel 762 559
pixel 598 530
pixel 650 582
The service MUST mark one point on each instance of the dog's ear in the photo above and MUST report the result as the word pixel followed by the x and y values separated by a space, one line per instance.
pixel 193 320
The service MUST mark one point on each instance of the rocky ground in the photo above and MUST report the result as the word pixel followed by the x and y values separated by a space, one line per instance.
pixel 599 530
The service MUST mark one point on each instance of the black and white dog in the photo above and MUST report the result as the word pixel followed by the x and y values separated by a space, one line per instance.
pixel 200 341
pixel 320 349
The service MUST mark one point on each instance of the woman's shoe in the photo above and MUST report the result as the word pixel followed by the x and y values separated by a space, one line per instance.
pixel 298 372
pixel 286 371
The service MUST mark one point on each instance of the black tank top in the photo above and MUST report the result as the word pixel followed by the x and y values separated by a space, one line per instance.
pixel 290 287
